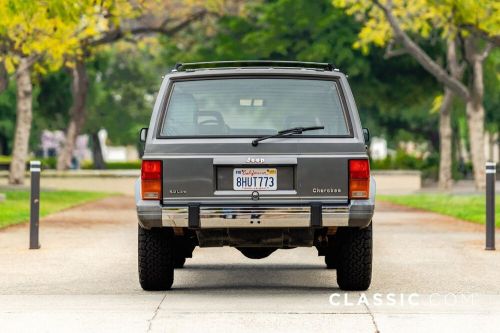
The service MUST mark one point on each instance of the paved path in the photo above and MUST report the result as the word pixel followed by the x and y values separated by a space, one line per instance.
pixel 84 278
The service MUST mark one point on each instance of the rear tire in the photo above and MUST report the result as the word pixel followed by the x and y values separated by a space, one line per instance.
pixel 331 260
pixel 156 259
pixel 179 261
pixel 354 261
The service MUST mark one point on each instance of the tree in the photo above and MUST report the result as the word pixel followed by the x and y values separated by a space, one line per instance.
pixel 474 24
pixel 390 94
pixel 122 21
pixel 445 128
pixel 115 102
pixel 129 100
pixel 32 35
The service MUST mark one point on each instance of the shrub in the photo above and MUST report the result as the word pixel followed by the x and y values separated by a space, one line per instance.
pixel 47 163
pixel 114 165
pixel 403 161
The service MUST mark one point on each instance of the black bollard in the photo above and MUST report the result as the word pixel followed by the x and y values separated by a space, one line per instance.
pixel 35 167
pixel 490 205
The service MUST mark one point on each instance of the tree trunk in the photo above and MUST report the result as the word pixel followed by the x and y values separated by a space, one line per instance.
pixel 445 131
pixel 79 90
pixel 97 155
pixel 23 123
pixel 475 109
pixel 475 119
pixel 445 142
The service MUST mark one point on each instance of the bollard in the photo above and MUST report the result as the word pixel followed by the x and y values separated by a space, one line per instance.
pixel 35 167
pixel 490 205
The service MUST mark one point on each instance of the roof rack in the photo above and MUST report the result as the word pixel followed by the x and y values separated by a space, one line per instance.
pixel 187 67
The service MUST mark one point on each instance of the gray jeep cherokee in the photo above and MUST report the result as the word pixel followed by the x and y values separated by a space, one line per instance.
pixel 258 155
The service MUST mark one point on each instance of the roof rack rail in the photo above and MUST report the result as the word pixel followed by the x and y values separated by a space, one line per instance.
pixel 183 67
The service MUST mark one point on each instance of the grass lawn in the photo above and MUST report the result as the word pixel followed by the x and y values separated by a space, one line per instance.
pixel 465 207
pixel 15 209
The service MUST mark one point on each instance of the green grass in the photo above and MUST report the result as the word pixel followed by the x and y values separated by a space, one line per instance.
pixel 15 209
pixel 132 165
pixel 465 207
pixel 5 159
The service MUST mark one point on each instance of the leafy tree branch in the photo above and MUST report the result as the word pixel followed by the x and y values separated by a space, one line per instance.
pixel 420 55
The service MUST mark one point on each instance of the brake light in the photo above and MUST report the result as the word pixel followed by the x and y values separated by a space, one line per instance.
pixel 359 179
pixel 151 187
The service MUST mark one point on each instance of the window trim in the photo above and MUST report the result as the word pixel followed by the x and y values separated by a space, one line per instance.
pixel 172 81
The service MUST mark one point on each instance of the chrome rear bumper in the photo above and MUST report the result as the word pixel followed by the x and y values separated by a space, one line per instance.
pixel 254 217
pixel 358 213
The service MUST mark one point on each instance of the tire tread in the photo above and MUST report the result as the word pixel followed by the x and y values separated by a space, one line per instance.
pixel 156 266
pixel 354 265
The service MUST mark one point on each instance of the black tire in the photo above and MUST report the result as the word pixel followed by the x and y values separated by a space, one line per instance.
pixel 354 262
pixel 156 260
pixel 179 261
pixel 331 260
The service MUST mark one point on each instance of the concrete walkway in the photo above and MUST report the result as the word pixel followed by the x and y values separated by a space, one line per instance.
pixel 431 274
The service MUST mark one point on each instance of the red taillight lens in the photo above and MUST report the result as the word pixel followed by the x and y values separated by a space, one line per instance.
pixel 151 170
pixel 359 179
pixel 151 180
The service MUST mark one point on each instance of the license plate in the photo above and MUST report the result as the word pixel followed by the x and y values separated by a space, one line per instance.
pixel 245 179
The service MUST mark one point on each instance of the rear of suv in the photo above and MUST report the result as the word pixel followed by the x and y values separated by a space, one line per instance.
pixel 259 156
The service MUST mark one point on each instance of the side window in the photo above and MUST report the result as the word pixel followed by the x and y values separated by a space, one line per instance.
pixel 182 116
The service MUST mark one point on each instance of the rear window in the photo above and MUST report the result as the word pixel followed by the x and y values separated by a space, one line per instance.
pixel 253 107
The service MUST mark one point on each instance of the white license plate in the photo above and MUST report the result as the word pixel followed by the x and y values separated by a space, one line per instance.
pixel 246 179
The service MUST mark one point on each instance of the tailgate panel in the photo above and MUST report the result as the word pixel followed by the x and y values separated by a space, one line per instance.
pixel 323 176
pixel 188 178
pixel 198 179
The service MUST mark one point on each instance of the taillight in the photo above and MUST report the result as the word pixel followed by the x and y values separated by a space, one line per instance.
pixel 151 180
pixel 359 179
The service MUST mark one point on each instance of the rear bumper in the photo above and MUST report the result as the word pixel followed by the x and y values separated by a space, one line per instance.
pixel 358 213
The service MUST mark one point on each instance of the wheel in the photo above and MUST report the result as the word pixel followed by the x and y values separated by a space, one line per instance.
pixel 331 260
pixel 354 261
pixel 179 261
pixel 156 260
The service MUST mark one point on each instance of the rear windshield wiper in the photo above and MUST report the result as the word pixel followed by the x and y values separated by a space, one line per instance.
pixel 284 133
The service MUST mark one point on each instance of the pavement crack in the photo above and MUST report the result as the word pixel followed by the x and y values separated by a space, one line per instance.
pixel 372 317
pixel 150 321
